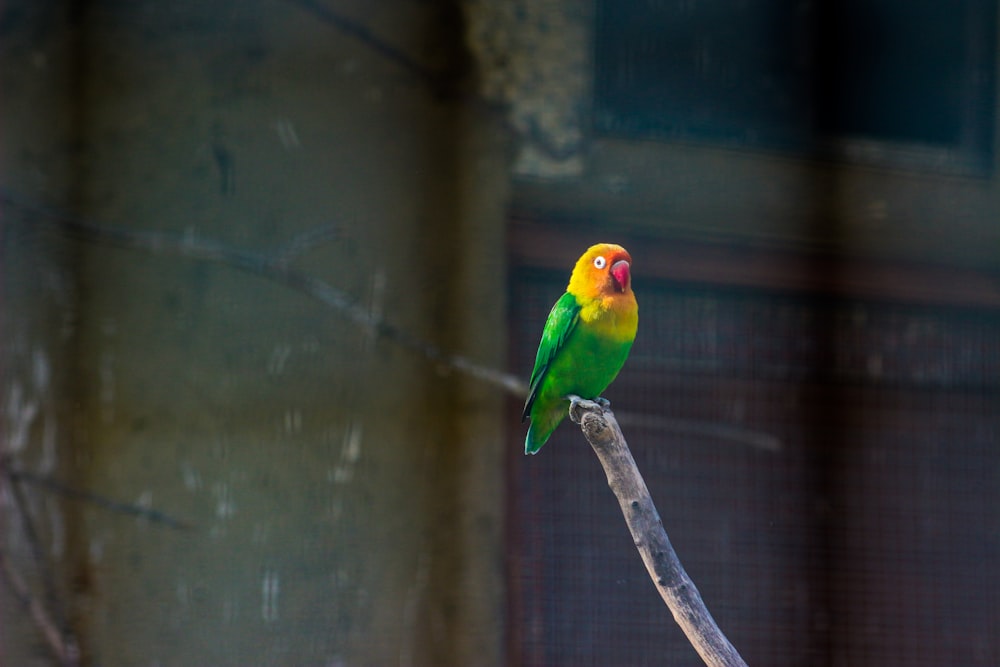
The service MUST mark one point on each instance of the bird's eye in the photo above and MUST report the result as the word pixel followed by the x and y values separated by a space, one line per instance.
pixel 600 262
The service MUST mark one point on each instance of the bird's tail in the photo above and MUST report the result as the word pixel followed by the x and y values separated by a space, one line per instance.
pixel 542 426
pixel 532 443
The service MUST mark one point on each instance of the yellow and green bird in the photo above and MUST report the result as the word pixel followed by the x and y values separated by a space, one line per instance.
pixel 586 339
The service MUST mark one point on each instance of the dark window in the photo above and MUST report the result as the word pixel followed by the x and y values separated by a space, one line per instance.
pixel 903 82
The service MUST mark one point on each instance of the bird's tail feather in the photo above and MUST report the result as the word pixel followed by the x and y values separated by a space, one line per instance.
pixel 542 426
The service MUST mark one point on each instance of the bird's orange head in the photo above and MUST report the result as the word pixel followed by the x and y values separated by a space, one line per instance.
pixel 604 271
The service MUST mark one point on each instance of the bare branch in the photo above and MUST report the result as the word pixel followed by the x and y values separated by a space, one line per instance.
pixel 63 648
pixel 62 644
pixel 675 587
pixel 38 552
pixel 364 34
pixel 306 241
pixel 275 267
pixel 272 267
pixel 16 475
pixel 700 428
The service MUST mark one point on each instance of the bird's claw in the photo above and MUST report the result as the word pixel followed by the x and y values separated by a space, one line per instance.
pixel 578 405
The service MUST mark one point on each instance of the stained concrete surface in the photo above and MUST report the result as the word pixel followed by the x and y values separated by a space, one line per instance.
pixel 344 494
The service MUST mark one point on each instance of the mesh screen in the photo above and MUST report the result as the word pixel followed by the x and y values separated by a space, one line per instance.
pixel 828 472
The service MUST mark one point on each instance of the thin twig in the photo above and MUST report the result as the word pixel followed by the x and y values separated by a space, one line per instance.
pixel 62 643
pixel 276 267
pixel 38 553
pixel 698 428
pixel 664 567
pixel 64 648
pixel 266 266
pixel 308 240
pixel 46 482
pixel 362 33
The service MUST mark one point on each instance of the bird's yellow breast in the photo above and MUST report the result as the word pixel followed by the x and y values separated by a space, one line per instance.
pixel 615 317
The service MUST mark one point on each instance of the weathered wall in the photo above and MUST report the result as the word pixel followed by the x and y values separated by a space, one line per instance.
pixel 37 311
pixel 344 494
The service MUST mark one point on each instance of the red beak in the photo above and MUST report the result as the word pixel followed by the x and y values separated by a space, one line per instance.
pixel 620 273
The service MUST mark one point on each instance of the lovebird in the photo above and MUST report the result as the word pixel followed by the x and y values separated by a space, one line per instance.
pixel 586 339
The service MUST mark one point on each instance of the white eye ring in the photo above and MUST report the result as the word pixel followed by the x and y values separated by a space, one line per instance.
pixel 600 262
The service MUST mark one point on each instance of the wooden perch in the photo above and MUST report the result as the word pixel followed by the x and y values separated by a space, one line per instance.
pixel 602 432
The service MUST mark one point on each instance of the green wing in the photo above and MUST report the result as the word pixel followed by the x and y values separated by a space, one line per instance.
pixel 561 322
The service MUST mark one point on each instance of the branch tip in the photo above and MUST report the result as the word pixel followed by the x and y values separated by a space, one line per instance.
pixel 579 407
pixel 678 591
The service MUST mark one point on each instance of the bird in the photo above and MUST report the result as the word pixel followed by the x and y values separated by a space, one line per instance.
pixel 585 342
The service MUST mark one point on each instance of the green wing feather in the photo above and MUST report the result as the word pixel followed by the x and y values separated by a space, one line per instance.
pixel 562 320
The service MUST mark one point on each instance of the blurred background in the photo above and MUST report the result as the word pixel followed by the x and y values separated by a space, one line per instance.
pixel 270 272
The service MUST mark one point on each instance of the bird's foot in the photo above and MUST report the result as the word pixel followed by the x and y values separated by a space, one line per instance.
pixel 578 405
